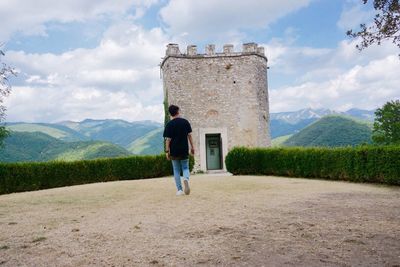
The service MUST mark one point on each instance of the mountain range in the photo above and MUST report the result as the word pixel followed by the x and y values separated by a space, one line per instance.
pixel 285 123
pixel 118 132
pixel 79 139
pixel 88 139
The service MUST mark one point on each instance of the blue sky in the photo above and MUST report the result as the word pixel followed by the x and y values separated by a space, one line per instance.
pixel 82 59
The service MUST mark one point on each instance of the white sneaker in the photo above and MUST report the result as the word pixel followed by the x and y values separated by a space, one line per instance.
pixel 179 193
pixel 187 188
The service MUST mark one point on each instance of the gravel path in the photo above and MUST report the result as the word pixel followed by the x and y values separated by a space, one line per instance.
pixel 225 221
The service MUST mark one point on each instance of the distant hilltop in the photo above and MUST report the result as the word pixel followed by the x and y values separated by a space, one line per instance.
pixel 309 113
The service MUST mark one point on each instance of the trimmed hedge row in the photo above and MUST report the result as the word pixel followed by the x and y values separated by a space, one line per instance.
pixel 373 164
pixel 19 177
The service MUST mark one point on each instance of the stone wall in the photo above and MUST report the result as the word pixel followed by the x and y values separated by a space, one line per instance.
pixel 223 91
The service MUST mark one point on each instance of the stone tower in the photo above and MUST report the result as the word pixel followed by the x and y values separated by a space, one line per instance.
pixel 223 95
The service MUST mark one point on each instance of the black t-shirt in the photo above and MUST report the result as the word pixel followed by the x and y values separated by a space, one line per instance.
pixel 178 130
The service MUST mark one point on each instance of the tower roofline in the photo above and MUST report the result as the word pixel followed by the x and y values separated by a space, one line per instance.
pixel 247 50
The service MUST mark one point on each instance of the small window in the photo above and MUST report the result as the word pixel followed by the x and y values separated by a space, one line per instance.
pixel 213 143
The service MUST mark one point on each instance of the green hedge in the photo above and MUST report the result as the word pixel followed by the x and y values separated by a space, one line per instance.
pixel 361 164
pixel 19 177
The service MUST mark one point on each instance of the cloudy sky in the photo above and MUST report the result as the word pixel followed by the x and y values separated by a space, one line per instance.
pixel 99 59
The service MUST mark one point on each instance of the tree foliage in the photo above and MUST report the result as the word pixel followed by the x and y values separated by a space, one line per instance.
pixel 387 124
pixel 386 25
pixel 5 88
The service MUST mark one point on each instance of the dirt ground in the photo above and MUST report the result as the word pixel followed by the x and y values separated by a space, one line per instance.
pixel 225 221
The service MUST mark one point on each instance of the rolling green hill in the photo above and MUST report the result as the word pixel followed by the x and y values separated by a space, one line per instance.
pixel 278 141
pixel 91 150
pixel 285 123
pixel 284 128
pixel 149 144
pixel 118 132
pixel 332 131
pixel 37 146
pixel 54 130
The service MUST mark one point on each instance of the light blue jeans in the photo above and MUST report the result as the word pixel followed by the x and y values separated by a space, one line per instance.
pixel 177 165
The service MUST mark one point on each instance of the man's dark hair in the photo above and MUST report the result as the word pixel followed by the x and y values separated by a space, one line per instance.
pixel 173 110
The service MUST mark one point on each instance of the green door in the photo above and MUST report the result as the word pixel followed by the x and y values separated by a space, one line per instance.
pixel 213 149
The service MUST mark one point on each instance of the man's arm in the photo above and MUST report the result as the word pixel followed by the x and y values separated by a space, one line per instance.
pixel 191 143
pixel 167 147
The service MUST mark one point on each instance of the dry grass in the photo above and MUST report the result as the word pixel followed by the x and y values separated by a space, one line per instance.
pixel 231 221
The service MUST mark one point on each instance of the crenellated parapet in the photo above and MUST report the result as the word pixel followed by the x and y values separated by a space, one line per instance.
pixel 209 51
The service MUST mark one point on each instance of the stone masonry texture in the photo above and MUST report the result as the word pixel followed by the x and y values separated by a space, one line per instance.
pixel 220 90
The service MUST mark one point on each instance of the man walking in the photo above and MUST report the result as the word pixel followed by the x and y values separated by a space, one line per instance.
pixel 176 134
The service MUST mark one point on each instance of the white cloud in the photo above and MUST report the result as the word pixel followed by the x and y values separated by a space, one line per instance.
pixel 38 104
pixel 290 59
pixel 304 64
pixel 363 86
pixel 223 19
pixel 118 79
pixel 339 78
pixel 353 15
pixel 30 17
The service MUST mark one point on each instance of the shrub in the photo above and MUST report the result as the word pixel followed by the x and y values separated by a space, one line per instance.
pixel 19 177
pixel 374 164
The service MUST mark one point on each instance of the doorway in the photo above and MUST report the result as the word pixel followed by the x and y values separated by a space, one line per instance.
pixel 213 151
